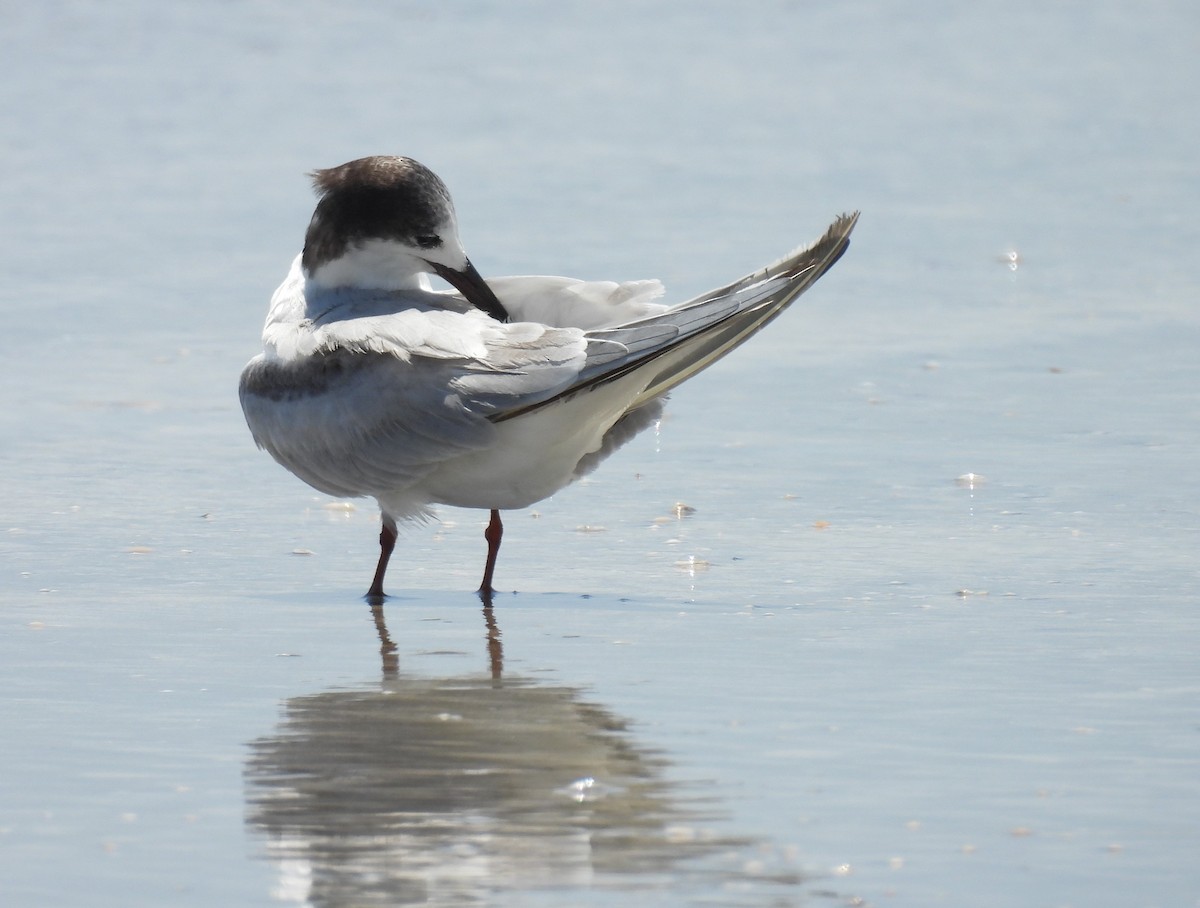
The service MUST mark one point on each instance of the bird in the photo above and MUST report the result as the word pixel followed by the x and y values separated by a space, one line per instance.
pixel 494 394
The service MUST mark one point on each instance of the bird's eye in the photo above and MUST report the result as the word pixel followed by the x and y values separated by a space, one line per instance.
pixel 429 242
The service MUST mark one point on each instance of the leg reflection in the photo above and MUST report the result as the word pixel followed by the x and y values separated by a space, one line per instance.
pixel 389 653
pixel 387 649
pixel 494 647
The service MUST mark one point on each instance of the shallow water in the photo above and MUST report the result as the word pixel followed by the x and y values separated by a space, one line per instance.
pixel 850 676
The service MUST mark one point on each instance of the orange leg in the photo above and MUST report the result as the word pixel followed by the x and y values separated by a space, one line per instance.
pixel 387 542
pixel 493 534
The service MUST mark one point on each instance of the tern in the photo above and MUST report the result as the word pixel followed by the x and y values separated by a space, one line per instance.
pixel 493 395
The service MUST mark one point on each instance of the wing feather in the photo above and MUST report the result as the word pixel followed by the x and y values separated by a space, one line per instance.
pixel 678 343
pixel 360 415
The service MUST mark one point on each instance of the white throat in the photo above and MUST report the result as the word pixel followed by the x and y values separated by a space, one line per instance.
pixel 373 265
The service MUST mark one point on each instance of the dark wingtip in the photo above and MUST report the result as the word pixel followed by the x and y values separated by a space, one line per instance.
pixel 837 238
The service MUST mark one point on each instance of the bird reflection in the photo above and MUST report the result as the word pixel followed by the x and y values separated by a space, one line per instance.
pixel 441 791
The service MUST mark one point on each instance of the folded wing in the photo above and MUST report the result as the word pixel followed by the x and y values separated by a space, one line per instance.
pixel 674 345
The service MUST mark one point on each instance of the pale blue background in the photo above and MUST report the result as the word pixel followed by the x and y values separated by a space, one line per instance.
pixel 875 684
